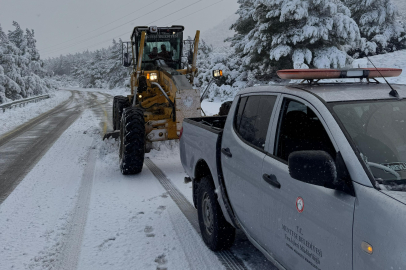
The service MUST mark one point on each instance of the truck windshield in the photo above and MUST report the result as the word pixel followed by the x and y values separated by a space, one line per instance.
pixel 378 130
pixel 165 48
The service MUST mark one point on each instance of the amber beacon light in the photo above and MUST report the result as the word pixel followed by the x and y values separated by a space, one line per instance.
pixel 319 74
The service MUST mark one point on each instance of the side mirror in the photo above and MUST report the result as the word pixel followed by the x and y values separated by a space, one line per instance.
pixel 126 56
pixel 217 73
pixel 313 167
pixel 190 57
pixel 126 60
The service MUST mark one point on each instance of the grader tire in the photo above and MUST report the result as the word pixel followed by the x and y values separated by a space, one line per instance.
pixel 225 108
pixel 119 104
pixel 132 141
pixel 114 113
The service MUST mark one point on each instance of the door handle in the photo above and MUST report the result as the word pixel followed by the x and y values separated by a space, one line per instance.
pixel 226 151
pixel 271 179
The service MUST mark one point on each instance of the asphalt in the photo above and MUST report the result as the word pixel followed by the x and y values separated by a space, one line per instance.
pixel 23 147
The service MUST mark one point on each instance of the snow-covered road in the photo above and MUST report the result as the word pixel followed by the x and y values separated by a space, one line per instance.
pixel 75 210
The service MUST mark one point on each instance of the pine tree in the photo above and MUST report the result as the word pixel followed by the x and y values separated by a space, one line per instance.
pixel 17 37
pixel 3 78
pixel 32 45
pixel 116 72
pixel 21 73
pixel 378 24
pixel 204 63
pixel 274 34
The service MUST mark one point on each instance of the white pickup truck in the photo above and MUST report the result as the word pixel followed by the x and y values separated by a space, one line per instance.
pixel 313 174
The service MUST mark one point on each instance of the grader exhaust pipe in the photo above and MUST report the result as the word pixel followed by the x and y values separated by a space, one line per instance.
pixel 196 49
pixel 138 71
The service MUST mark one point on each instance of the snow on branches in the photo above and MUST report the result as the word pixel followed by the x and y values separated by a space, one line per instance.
pixel 99 69
pixel 295 33
pixel 380 29
pixel 21 70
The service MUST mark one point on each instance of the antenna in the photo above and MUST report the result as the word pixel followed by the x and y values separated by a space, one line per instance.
pixel 393 92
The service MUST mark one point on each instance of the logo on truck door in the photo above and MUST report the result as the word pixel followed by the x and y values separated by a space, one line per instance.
pixel 299 204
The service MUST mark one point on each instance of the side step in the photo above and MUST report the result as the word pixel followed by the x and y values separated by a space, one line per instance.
pixel 115 134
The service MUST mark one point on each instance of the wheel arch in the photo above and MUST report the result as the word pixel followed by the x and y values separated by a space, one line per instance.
pixel 201 170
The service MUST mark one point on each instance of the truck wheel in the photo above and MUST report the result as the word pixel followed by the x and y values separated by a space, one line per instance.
pixel 119 104
pixel 132 141
pixel 225 108
pixel 217 233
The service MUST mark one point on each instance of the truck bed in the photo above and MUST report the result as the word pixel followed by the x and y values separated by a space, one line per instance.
pixel 200 141
pixel 211 123
pixel 200 144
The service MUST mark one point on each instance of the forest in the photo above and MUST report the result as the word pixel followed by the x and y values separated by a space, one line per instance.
pixel 268 35
pixel 22 72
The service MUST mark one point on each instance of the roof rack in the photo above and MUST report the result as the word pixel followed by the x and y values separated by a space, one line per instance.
pixel 313 76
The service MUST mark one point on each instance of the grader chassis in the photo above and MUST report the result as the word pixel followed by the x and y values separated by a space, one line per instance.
pixel 161 93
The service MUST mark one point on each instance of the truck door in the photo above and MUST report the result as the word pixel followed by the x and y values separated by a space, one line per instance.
pixel 242 156
pixel 307 226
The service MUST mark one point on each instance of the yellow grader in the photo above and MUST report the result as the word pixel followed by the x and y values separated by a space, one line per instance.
pixel 161 93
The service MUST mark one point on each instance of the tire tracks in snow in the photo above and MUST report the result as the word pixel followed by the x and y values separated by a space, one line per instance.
pixel 72 247
pixel 71 250
pixel 22 148
pixel 226 257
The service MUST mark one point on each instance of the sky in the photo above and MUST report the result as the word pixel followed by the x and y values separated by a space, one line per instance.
pixel 70 26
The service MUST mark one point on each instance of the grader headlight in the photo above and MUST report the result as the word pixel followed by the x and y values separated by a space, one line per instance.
pixel 152 76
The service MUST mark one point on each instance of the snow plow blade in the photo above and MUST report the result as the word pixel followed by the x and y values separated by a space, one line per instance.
pixel 115 134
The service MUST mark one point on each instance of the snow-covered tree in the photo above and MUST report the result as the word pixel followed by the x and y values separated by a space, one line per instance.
pixel 32 45
pixel 102 68
pixel 17 36
pixel 209 59
pixel 378 24
pixel 3 78
pixel 21 72
pixel 203 63
pixel 274 34
pixel 117 74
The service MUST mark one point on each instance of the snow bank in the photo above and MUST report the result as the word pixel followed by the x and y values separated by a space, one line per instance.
pixel 212 107
pixel 401 6
pixel 36 216
pixel 14 117
pixel 389 60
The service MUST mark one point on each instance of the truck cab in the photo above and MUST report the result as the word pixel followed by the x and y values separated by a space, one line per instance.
pixel 313 174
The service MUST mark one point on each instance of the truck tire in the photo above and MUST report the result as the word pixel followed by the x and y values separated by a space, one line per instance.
pixel 225 108
pixel 217 233
pixel 132 141
pixel 119 104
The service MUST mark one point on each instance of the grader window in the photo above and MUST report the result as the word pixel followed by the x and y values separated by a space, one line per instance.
pixel 162 48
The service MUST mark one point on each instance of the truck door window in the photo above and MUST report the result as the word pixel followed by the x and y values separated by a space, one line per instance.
pixel 300 129
pixel 252 119
pixel 378 130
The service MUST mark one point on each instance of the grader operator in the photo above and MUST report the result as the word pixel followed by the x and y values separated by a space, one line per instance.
pixel 161 93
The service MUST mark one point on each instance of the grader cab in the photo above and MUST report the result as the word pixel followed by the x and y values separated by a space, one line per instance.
pixel 161 93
